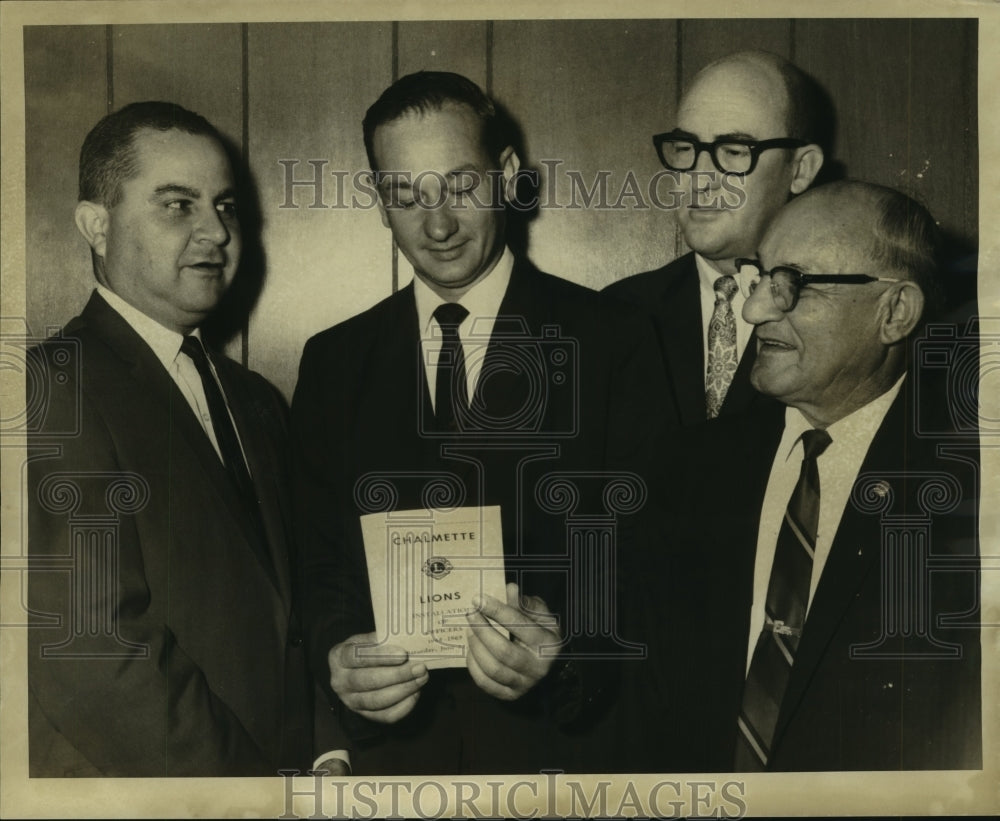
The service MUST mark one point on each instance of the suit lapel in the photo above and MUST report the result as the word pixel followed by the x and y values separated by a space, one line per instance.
pixel 505 385
pixel 254 417
pixel 396 413
pixel 192 442
pixel 853 555
pixel 680 315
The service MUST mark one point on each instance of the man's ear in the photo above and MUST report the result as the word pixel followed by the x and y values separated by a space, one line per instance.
pixel 903 305
pixel 510 164
pixel 806 163
pixel 92 220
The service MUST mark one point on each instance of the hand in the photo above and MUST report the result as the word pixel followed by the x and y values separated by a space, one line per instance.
pixel 335 767
pixel 508 668
pixel 379 685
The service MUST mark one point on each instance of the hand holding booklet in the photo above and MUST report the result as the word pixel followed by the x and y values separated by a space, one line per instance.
pixel 425 567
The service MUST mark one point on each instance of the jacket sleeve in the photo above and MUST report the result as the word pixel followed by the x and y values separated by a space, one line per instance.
pixel 332 574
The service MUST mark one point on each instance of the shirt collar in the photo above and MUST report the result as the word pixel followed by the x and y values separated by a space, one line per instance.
pixel 482 300
pixel 857 429
pixel 165 343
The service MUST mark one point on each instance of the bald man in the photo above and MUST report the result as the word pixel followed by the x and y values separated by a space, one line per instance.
pixel 825 617
pixel 761 120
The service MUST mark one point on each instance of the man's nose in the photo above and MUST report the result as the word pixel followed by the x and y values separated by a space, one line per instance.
pixel 439 222
pixel 704 175
pixel 211 227
pixel 760 306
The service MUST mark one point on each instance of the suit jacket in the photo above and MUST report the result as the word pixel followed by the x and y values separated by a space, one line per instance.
pixel 569 385
pixel 672 297
pixel 163 641
pixel 887 675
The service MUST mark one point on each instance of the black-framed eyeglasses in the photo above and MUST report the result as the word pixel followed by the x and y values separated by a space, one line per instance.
pixel 787 283
pixel 679 152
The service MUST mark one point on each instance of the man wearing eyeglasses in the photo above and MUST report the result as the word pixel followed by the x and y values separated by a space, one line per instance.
pixel 824 614
pixel 750 123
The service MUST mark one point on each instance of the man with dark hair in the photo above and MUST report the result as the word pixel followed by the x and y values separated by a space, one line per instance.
pixel 752 120
pixel 162 640
pixel 495 378
pixel 426 91
pixel 829 620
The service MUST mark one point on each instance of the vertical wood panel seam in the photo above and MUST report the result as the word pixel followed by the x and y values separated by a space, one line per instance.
pixel 245 140
pixel 109 68
pixel 394 50
pixel 678 90
pixel 489 58
pixel 970 71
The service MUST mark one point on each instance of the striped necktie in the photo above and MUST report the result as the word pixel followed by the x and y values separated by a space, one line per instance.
pixel 785 613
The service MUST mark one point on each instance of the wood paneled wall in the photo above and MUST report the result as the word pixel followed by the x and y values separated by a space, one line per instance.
pixel 587 95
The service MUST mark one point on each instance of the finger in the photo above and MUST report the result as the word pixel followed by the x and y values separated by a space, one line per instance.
pixel 369 679
pixel 497 644
pixel 483 680
pixel 501 660
pixel 365 651
pixel 522 625
pixel 532 606
pixel 394 713
pixel 383 698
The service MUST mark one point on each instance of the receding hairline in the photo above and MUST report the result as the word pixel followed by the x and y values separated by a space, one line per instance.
pixel 782 73
pixel 772 64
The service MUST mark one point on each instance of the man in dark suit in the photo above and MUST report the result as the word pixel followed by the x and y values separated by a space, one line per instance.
pixel 162 640
pixel 824 615
pixel 750 122
pixel 544 412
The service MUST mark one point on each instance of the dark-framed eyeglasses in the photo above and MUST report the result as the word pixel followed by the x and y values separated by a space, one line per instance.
pixel 679 151
pixel 787 283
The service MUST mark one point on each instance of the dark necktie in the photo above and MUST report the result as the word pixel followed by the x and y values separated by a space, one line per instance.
pixel 785 613
pixel 450 391
pixel 222 423
pixel 722 358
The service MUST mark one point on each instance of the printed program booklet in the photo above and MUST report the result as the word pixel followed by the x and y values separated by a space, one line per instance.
pixel 424 568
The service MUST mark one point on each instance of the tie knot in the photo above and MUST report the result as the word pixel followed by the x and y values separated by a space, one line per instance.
pixel 450 315
pixel 814 442
pixel 725 288
pixel 193 348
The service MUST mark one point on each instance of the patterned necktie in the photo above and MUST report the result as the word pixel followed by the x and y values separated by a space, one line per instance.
pixel 785 613
pixel 450 390
pixel 721 346
pixel 222 423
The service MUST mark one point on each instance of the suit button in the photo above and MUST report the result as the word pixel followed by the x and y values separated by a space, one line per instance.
pixel 295 640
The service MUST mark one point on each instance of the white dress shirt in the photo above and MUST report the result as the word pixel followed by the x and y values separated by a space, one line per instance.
pixel 838 466
pixel 482 301
pixel 166 345
pixel 706 286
